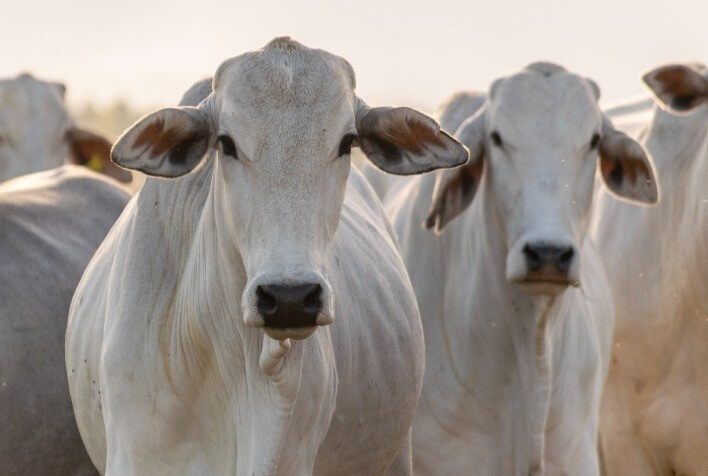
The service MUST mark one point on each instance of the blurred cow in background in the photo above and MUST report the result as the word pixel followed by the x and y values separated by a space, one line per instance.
pixel 51 223
pixel 655 409
pixel 36 132
pixel 514 301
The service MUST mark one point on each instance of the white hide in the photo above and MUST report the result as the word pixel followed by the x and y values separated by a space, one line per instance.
pixel 514 366
pixel 36 132
pixel 654 417
pixel 170 369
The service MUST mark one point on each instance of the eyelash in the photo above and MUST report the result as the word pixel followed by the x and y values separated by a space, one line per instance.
pixel 227 145
pixel 345 146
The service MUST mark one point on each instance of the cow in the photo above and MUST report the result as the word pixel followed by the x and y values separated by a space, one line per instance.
pixel 36 132
pixel 654 418
pixel 51 223
pixel 202 337
pixel 515 307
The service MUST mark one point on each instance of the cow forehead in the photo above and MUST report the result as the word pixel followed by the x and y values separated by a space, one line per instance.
pixel 558 104
pixel 305 95
pixel 285 76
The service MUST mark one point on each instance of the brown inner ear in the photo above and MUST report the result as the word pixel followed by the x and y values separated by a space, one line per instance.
pixel 681 91
pixel 457 194
pixel 177 139
pixel 396 129
pixel 85 145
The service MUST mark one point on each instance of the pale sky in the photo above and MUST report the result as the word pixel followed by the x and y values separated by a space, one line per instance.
pixel 403 51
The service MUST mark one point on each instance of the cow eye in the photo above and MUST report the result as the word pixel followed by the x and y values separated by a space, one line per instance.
pixel 496 139
pixel 345 146
pixel 227 145
pixel 594 141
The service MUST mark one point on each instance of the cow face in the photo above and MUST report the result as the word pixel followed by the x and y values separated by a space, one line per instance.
pixel 539 138
pixel 282 121
pixel 37 134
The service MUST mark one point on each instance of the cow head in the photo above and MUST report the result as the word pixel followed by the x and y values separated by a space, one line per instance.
pixel 37 134
pixel 283 121
pixel 539 139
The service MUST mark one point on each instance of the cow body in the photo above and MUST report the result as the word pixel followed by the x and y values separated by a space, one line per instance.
pixel 654 411
pixel 512 383
pixel 51 223
pixel 515 357
pixel 192 347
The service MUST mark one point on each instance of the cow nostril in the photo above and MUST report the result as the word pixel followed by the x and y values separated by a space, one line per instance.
pixel 533 259
pixel 267 303
pixel 565 259
pixel 312 301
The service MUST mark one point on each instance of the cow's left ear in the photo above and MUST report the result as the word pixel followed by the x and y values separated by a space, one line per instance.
pixel 94 151
pixel 678 87
pixel 403 141
pixel 625 167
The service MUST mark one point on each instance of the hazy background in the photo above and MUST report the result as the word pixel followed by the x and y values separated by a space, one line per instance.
pixel 121 58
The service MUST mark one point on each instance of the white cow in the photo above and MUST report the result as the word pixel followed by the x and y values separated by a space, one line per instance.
pixel 51 223
pixel 198 339
pixel 516 311
pixel 36 132
pixel 655 409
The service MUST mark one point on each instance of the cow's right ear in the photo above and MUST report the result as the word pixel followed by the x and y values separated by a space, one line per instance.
pixel 678 87
pixel 455 188
pixel 170 142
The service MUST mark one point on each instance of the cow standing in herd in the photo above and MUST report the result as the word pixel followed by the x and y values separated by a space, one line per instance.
pixel 36 132
pixel 516 310
pixel 198 338
pixel 654 418
pixel 254 311
pixel 51 223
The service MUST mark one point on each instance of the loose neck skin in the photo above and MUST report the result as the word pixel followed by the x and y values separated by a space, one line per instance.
pixel 210 357
pixel 497 319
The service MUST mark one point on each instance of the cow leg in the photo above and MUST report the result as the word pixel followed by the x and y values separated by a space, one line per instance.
pixel 403 464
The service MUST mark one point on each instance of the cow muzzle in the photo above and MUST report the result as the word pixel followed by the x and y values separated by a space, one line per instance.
pixel 544 266
pixel 288 307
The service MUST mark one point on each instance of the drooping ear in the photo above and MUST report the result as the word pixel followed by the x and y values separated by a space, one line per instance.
pixel 626 167
pixel 403 141
pixel 170 142
pixel 678 87
pixel 94 151
pixel 455 188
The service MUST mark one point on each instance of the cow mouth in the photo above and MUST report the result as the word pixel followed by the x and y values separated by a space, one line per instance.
pixel 542 283
pixel 295 333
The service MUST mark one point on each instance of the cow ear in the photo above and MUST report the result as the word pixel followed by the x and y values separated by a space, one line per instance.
pixel 403 141
pixel 170 142
pixel 94 151
pixel 455 188
pixel 677 87
pixel 626 168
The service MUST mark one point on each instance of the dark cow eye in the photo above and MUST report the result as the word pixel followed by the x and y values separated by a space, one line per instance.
pixel 345 146
pixel 594 141
pixel 496 139
pixel 227 145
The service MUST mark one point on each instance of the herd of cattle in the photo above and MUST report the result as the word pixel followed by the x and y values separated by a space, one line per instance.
pixel 539 305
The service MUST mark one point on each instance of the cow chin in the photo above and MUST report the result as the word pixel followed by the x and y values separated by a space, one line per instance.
pixel 295 333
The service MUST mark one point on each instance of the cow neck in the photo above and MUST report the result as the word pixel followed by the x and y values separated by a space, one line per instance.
pixel 680 151
pixel 212 358
pixel 528 324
